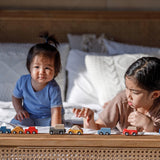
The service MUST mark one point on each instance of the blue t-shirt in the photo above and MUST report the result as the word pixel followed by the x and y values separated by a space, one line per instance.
pixel 38 104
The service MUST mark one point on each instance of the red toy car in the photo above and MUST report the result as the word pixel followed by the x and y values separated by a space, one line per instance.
pixel 130 131
pixel 31 130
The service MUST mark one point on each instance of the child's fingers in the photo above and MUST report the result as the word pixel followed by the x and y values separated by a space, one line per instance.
pixel 26 114
pixel 73 110
pixel 89 114
pixel 76 111
pixel 82 113
pixel 86 113
pixel 21 116
pixel 18 117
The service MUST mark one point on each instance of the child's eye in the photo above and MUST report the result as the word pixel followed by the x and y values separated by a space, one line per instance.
pixel 135 92
pixel 36 66
pixel 47 68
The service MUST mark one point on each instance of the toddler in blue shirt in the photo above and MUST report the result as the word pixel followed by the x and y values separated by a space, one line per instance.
pixel 37 96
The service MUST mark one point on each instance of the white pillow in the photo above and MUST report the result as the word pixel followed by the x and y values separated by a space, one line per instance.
pixel 80 89
pixel 113 48
pixel 86 42
pixel 75 41
pixel 107 73
pixel 12 66
pixel 92 43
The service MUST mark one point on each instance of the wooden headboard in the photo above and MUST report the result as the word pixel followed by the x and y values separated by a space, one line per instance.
pixel 134 27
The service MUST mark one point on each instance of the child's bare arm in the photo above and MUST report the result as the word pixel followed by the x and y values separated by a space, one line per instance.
pixel 56 116
pixel 20 112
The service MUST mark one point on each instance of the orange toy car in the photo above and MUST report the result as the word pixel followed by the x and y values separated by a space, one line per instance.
pixel 75 130
pixel 18 130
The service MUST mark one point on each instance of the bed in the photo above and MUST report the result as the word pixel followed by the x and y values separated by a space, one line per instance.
pixel 96 47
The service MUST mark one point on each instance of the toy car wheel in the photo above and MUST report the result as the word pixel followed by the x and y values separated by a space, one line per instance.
pixel 7 132
pixel 79 133
pixel 28 132
pixel 106 133
pixel 100 133
pixel 1 132
pixel 61 132
pixel 134 134
pixel 14 132
pixel 127 134
pixel 51 132
pixel 33 132
pixel 70 132
pixel 20 132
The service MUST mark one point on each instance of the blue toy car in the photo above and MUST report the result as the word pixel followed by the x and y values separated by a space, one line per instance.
pixel 3 129
pixel 104 131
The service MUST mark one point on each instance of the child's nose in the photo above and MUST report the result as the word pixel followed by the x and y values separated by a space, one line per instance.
pixel 42 70
pixel 128 94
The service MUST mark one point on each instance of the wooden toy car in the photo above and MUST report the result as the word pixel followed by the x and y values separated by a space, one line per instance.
pixel 104 131
pixel 130 130
pixel 58 129
pixel 31 130
pixel 75 130
pixel 3 129
pixel 18 130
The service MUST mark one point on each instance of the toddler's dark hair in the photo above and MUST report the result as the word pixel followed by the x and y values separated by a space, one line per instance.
pixel 146 72
pixel 47 49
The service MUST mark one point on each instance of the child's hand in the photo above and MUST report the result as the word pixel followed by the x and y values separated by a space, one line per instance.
pixel 140 120
pixel 21 114
pixel 86 113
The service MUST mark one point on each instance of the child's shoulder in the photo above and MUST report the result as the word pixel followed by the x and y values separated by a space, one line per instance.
pixel 24 78
pixel 53 86
pixel 53 83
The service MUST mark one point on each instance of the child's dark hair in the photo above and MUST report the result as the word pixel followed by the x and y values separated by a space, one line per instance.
pixel 47 49
pixel 146 72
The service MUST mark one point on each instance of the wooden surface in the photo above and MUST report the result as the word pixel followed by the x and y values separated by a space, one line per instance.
pixel 47 140
pixel 134 27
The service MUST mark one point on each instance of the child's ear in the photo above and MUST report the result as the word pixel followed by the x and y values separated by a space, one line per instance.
pixel 155 94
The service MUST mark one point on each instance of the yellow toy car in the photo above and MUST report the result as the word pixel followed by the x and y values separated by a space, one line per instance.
pixel 75 130
pixel 18 130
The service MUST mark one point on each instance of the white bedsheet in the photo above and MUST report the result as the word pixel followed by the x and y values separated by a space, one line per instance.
pixel 7 112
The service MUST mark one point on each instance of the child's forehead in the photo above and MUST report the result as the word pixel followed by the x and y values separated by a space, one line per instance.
pixel 131 81
pixel 42 58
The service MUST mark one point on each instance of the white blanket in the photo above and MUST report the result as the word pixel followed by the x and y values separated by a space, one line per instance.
pixel 7 111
